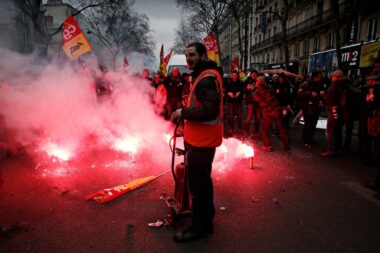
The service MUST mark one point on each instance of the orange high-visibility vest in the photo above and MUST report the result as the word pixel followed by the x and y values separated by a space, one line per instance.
pixel 208 133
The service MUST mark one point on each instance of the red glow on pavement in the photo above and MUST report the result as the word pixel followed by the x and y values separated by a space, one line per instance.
pixel 54 151
pixel 127 145
pixel 246 151
pixel 231 151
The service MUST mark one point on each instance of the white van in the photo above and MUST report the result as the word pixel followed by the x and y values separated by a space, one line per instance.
pixel 179 61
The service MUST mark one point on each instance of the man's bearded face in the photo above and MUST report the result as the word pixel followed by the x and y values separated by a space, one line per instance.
pixel 192 57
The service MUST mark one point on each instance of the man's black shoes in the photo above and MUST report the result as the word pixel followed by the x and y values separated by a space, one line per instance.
pixel 192 233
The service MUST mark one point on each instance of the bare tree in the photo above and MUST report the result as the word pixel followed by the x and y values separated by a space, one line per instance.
pixel 206 15
pixel 185 33
pixel 240 10
pixel 283 16
pixel 119 28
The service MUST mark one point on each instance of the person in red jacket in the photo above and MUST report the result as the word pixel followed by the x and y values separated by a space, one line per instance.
pixel 271 111
pixel 203 132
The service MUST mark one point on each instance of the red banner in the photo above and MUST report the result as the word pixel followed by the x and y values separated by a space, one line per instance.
pixel 235 64
pixel 74 42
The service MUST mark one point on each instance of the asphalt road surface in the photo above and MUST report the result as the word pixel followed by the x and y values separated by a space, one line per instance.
pixel 289 202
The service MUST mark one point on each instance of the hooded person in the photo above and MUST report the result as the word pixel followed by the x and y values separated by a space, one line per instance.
pixel 335 117
pixel 271 111
pixel 252 107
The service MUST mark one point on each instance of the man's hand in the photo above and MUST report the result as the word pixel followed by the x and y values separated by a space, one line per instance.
pixel 176 114
pixel 230 94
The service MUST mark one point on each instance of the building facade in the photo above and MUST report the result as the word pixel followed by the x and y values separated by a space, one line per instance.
pixel 311 34
pixel 57 12
pixel 16 29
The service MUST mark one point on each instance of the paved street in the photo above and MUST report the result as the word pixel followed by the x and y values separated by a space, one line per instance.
pixel 289 202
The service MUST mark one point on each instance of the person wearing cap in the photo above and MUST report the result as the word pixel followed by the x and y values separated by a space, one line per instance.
pixel 234 93
pixel 271 111
pixel 335 117
pixel 174 86
pixel 159 96
pixel 310 96
pixel 371 92
pixel 282 90
pixel 252 107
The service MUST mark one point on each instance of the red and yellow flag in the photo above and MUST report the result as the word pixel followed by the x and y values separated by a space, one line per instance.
pixel 212 47
pixel 235 63
pixel 74 42
pixel 165 63
pixel 106 195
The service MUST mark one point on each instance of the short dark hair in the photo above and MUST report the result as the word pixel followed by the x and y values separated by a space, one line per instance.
pixel 199 47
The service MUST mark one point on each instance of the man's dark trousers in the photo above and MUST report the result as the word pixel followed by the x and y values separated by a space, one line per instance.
pixel 198 163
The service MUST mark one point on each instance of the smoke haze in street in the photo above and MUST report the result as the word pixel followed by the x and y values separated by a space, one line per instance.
pixel 56 102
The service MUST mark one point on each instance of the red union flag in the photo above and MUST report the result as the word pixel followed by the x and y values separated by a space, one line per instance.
pixel 74 43
pixel 212 47
pixel 235 64
pixel 165 63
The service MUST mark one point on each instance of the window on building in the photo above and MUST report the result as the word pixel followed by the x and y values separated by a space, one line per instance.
pixel 299 18
pixel 290 52
pixel 260 38
pixel 275 10
pixel 274 30
pixel 309 12
pixel 372 29
pixel 296 49
pixel 269 33
pixel 270 15
pixel 317 43
pixel 330 40
pixel 306 47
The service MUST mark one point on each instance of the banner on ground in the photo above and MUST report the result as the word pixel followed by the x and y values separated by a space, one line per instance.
pixel 212 47
pixel 106 195
pixel 74 42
